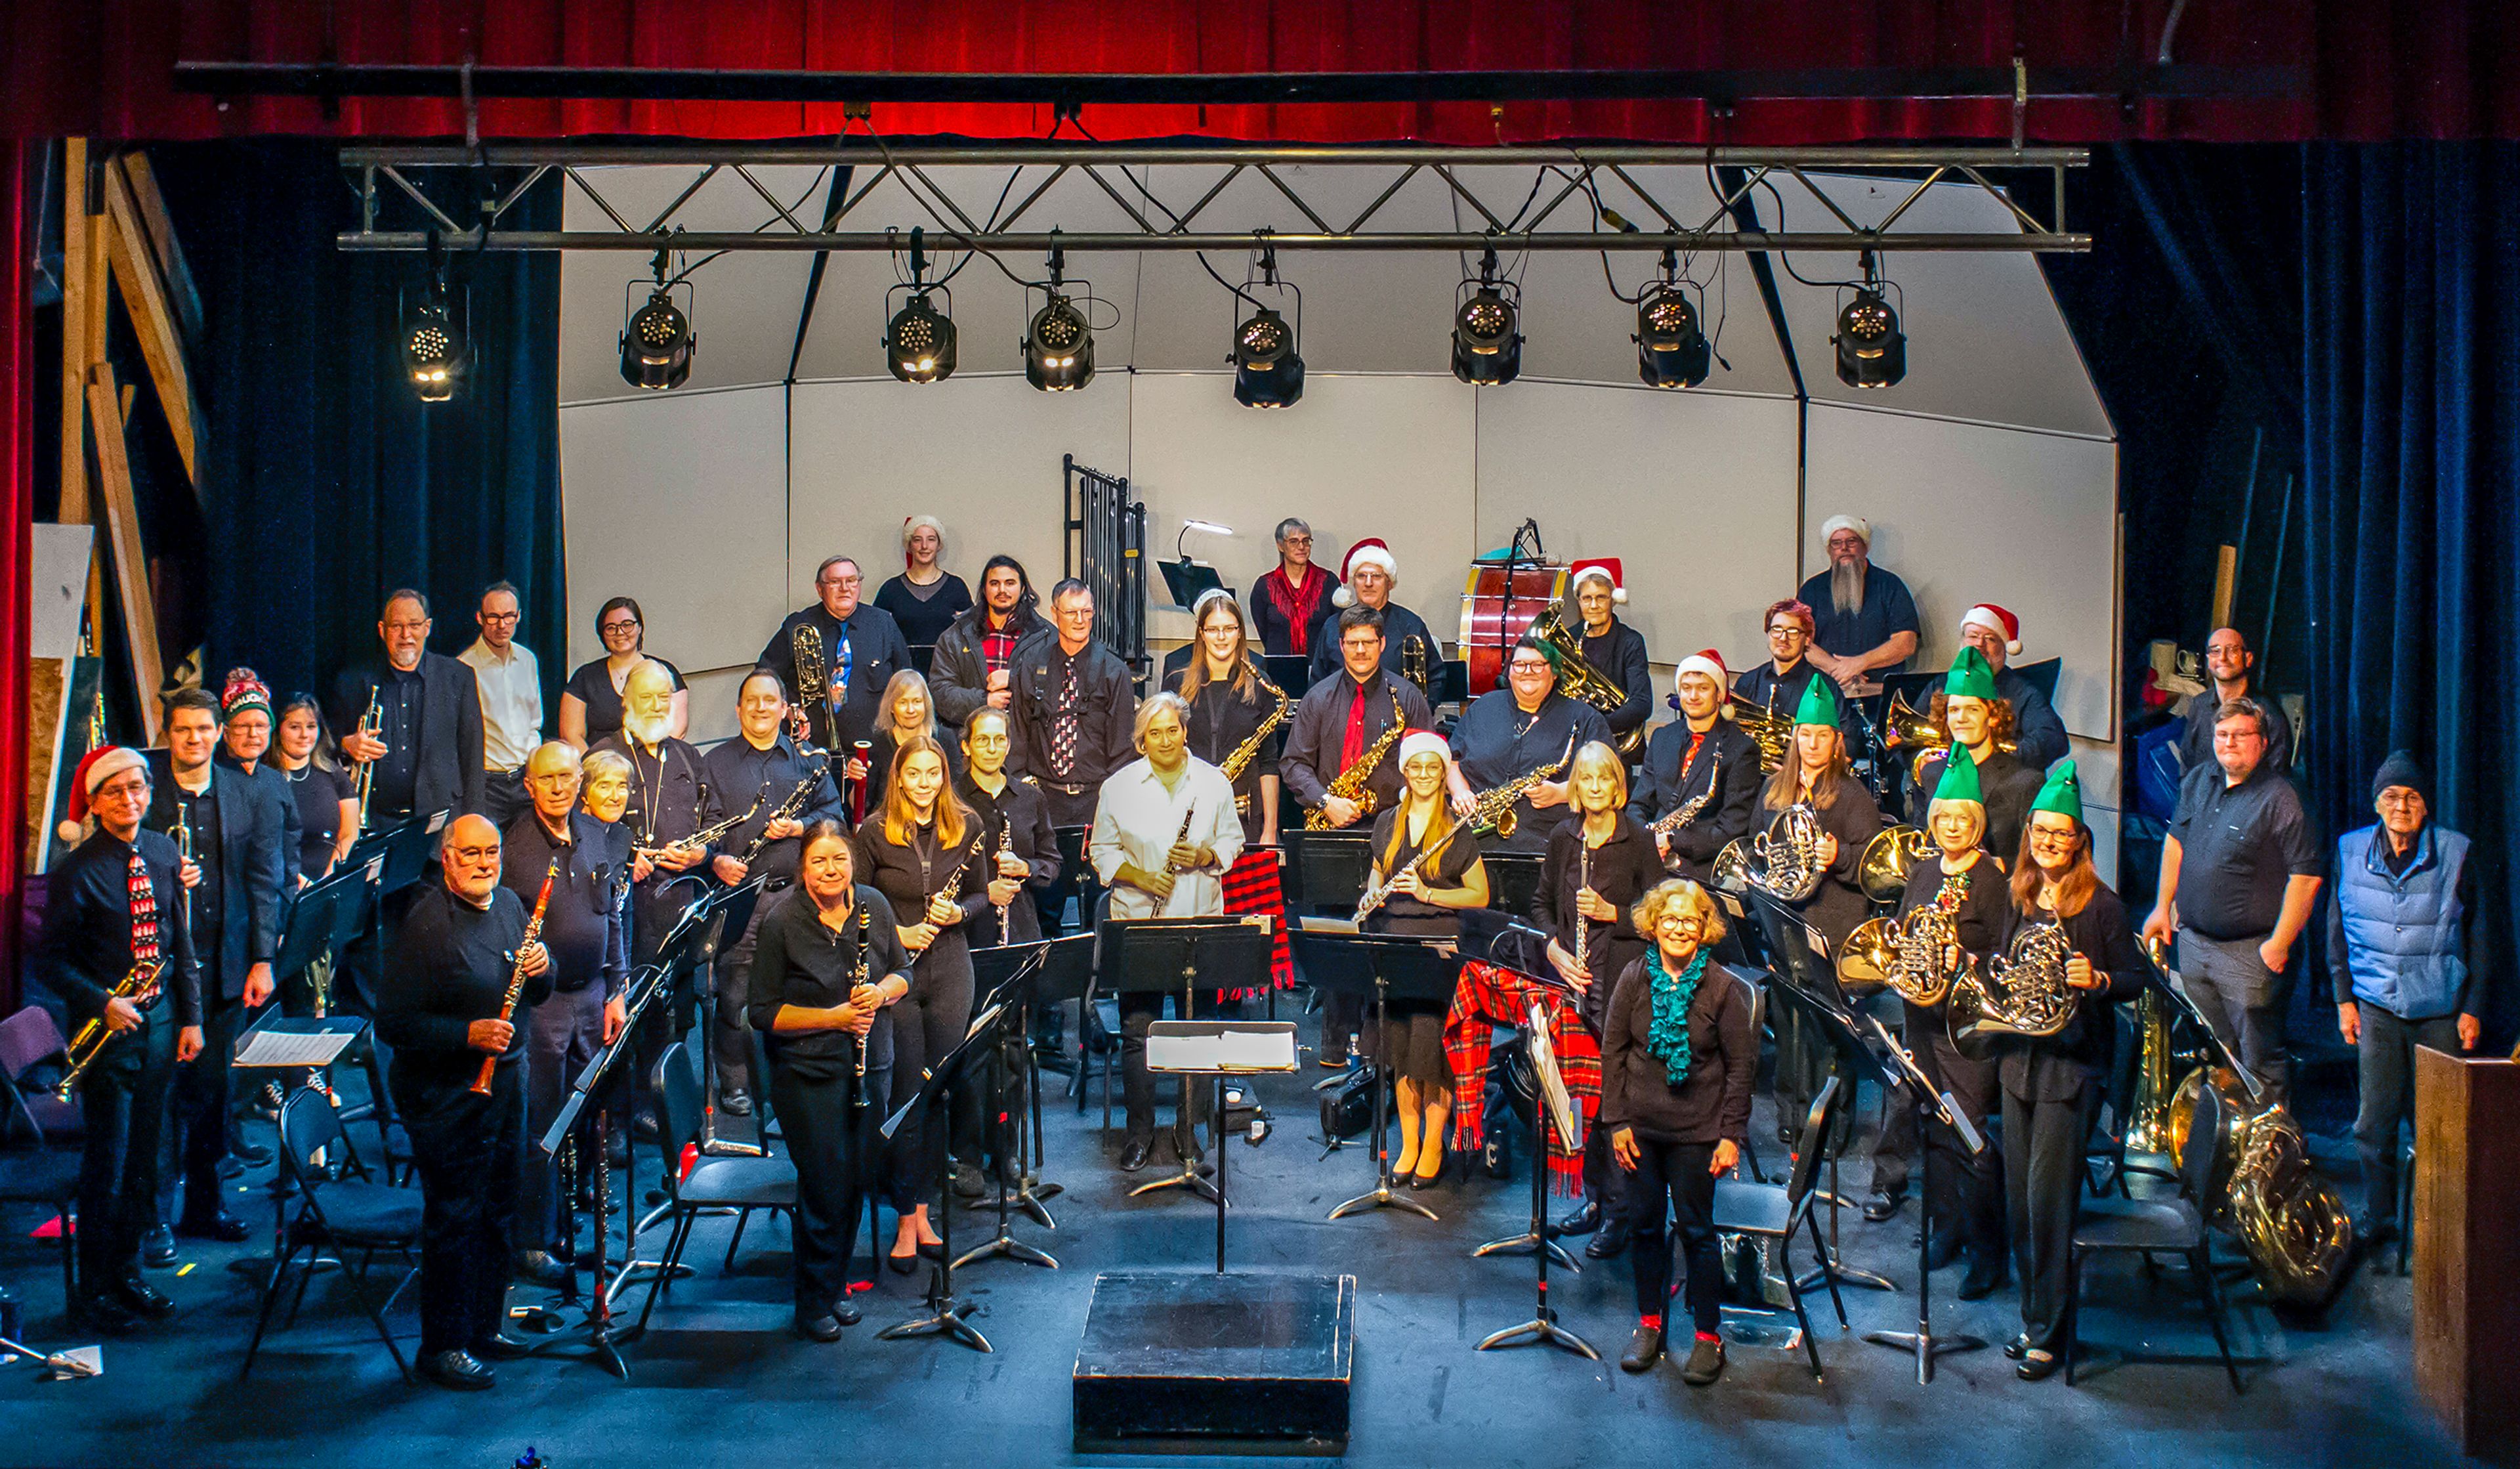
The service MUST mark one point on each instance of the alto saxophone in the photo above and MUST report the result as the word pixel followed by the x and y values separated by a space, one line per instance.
pixel 1240 759
pixel 140 986
pixel 1350 784
pixel 1492 810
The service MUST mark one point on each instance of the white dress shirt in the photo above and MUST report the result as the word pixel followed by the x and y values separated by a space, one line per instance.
pixel 512 703
pixel 1137 820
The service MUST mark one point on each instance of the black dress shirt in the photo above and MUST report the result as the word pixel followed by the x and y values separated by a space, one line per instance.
pixel 1105 710
pixel 799 960
pixel 1762 690
pixel 2239 847
pixel 1220 721
pixel 591 684
pixel 85 948
pixel 318 794
pixel 859 658
pixel 581 928
pixel 449 966
pixel 1619 656
pixel 2057 1067
pixel 1310 758
pixel 1401 630
pixel 1495 741
pixel 1035 843
pixel 737 772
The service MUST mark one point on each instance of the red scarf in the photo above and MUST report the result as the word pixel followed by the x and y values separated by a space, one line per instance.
pixel 1297 607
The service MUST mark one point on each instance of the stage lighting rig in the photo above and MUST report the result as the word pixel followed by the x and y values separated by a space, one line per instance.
pixel 919 341
pixel 1058 342
pixel 1487 347
pixel 656 339
pixel 1672 350
pixel 1872 350
pixel 436 351
pixel 1268 369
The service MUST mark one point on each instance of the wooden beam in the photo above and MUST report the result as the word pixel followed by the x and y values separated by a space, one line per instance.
pixel 74 290
pixel 122 533
pixel 168 250
pixel 144 295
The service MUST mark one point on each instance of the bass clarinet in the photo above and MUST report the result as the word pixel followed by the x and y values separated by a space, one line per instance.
pixel 516 976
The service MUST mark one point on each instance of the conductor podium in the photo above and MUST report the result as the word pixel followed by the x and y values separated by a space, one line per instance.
pixel 2467 1214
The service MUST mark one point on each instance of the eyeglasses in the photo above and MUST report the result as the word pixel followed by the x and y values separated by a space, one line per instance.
pixel 840 582
pixel 119 790
pixel 419 627
pixel 2396 800
pixel 1526 665
pixel 501 617
pixel 1788 630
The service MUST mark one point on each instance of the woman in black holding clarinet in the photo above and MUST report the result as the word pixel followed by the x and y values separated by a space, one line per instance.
pixel 827 964
pixel 1678 1057
pixel 926 853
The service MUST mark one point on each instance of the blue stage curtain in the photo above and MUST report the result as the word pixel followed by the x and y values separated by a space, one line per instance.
pixel 2411 392
pixel 327 483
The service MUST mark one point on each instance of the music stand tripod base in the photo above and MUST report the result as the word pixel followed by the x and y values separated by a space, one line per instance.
pixel 1523 1244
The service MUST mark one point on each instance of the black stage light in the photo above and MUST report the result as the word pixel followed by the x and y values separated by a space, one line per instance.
pixel 1672 350
pixel 1059 348
pixel 1267 371
pixel 1872 350
pixel 1487 350
pixel 656 344
pixel 435 351
pixel 919 344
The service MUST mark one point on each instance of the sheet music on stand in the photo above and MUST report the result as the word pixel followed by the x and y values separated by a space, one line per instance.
pixel 288 1045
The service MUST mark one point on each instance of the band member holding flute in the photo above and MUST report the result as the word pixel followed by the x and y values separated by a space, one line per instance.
pixel 1022 846
pixel 1164 836
pixel 114 906
pixel 1238 718
pixel 1428 863
pixel 460 958
pixel 825 969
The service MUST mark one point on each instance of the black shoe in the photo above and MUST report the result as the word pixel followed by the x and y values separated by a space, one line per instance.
pixel 1582 1221
pixel 1945 1249
pixel 141 1299
pixel 1705 1364
pixel 2016 1346
pixel 2373 1233
pixel 968 1182
pixel 1645 1348
pixel 219 1226
pixel 1881 1207
pixel 902 1264
pixel 539 1267
pixel 735 1101
pixel 1134 1153
pixel 459 1370
pixel 644 1126
pixel 499 1347
pixel 823 1328
pixel 102 1312
pixel 2034 1367
pixel 1611 1243
pixel 1418 1180
pixel 253 1155
pixel 1334 1055
pixel 228 1167
pixel 1982 1281
pixel 932 1249
pixel 157 1246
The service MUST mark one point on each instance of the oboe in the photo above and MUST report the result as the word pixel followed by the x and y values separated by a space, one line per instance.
pixel 1006 849
pixel 516 976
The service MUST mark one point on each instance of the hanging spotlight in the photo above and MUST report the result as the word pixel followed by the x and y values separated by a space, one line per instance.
pixel 1267 372
pixel 436 351
pixel 1672 350
pixel 1058 344
pixel 656 340
pixel 1487 350
pixel 1872 350
pixel 918 344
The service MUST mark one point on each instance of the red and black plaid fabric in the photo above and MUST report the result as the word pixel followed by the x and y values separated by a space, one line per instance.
pixel 997 645
pixel 1251 887
pixel 1489 996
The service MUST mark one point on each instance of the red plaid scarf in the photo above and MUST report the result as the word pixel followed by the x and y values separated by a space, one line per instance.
pixel 997 644
pixel 1251 887
pixel 1489 996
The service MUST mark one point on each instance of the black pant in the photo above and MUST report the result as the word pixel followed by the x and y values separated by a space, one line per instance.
pixel 202 1102
pixel 1139 1010
pixel 826 1135
pixel 2043 1182
pixel 1894 1147
pixel 502 796
pixel 1967 1193
pixel 465 1148
pixel 986 1106
pixel 927 1024
pixel 124 1098
pixel 562 1035
pixel 729 1030
pixel 1680 1173
pixel 2386 1060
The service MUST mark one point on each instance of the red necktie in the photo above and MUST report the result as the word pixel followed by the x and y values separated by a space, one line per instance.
pixel 1353 744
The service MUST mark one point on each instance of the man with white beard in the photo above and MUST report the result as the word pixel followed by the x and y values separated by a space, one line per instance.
pixel 1867 619
pixel 669 800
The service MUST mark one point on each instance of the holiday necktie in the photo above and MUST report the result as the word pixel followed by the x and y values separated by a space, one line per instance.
pixel 1062 735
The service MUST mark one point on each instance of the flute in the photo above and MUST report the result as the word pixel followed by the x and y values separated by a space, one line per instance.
pixel 516 976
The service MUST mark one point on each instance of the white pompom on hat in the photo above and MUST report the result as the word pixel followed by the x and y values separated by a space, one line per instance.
pixel 1862 528
pixel 1710 663
pixel 1605 569
pixel 95 769
pixel 1419 742
pixel 1369 551
pixel 1997 621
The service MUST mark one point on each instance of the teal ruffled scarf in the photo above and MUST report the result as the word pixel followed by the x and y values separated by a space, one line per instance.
pixel 1667 1039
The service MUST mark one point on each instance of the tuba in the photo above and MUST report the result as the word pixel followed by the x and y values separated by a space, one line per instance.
pixel 2024 992
pixel 1578 679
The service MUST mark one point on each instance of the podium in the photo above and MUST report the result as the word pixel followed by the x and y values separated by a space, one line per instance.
pixel 2467 1214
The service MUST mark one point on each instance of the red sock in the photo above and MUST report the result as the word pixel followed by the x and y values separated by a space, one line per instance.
pixel 1708 1336
pixel 1651 1322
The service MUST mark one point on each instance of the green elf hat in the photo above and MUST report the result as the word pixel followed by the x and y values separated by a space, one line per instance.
pixel 2062 793
pixel 1820 704
pixel 1959 779
pixel 1970 677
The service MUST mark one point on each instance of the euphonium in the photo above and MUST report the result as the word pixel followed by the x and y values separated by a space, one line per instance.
pixel 2261 1185
pixel 2024 992
pixel 1578 679
pixel 1924 736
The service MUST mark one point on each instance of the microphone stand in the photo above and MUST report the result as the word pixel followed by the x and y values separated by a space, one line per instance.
pixel 1929 1103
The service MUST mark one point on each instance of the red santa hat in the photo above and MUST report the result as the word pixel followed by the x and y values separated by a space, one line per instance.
pixel 1710 663
pixel 95 769
pixel 1997 621
pixel 1419 742
pixel 1605 569
pixel 1369 551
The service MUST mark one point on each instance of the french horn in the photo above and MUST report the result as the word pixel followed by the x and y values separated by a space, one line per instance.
pixel 2024 992
pixel 1782 861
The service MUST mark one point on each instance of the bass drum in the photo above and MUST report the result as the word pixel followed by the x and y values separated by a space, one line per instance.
pixel 1499 604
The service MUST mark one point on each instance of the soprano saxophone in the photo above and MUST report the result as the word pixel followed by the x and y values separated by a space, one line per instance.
pixel 1350 784
pixel 1686 811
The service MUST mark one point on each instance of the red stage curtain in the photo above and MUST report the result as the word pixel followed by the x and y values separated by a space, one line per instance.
pixel 2377 69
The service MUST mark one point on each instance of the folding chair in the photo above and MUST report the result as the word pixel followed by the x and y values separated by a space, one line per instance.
pixel 341 1208
pixel 41 1160
pixel 28 1039
pixel 1777 1211
pixel 2150 1226
pixel 739 1184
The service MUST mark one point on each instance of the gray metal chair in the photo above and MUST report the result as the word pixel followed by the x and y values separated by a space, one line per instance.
pixel 1774 1211
pixel 339 1209
pixel 2151 1227
pixel 714 1184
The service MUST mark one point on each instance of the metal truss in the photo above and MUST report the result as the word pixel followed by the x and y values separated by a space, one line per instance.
pixel 1577 198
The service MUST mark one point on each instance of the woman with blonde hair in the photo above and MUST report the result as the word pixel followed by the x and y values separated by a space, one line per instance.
pixel 925 598
pixel 1432 867
pixel 906 711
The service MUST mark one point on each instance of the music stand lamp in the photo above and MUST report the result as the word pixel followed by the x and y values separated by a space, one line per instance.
pixel 1217 1049
pixel 1178 957
pixel 1382 967
pixel 1548 1102
pixel 1005 976
pixel 945 1314
pixel 1807 981
pixel 1930 1105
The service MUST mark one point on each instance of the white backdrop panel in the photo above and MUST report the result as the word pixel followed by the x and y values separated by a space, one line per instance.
pixel 1394 457
pixel 1694 492
pixel 1966 513
pixel 679 500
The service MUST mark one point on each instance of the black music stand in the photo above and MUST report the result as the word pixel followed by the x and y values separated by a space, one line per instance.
pixel 1067 974
pixel 1004 975
pixel 603 1341
pixel 1514 879
pixel 407 846
pixel 1511 943
pixel 1930 1105
pixel 1331 868
pixel 1854 1061
pixel 1178 957
pixel 945 1315
pixel 1217 1049
pixel 1382 967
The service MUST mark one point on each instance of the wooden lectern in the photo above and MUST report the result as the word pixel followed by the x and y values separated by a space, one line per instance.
pixel 2467 1249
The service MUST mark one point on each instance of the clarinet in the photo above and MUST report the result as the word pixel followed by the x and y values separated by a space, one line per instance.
pixel 516 976
pixel 1582 880
pixel 857 981
pixel 1006 849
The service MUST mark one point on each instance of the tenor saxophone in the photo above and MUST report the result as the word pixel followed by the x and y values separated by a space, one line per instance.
pixel 1350 784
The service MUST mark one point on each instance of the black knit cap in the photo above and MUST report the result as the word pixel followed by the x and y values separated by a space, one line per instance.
pixel 2400 769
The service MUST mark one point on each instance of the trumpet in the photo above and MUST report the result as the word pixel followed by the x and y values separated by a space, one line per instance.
pixel 1350 784
pixel 367 778
pixel 1579 679
pixel 140 986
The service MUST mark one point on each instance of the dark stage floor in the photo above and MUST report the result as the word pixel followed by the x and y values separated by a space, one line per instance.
pixel 720 1377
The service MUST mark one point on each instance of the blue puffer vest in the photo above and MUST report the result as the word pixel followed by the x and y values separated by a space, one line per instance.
pixel 2403 933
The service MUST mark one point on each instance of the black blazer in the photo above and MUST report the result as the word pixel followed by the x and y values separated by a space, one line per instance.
pixel 450 777
pixel 250 864
pixel 1727 755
